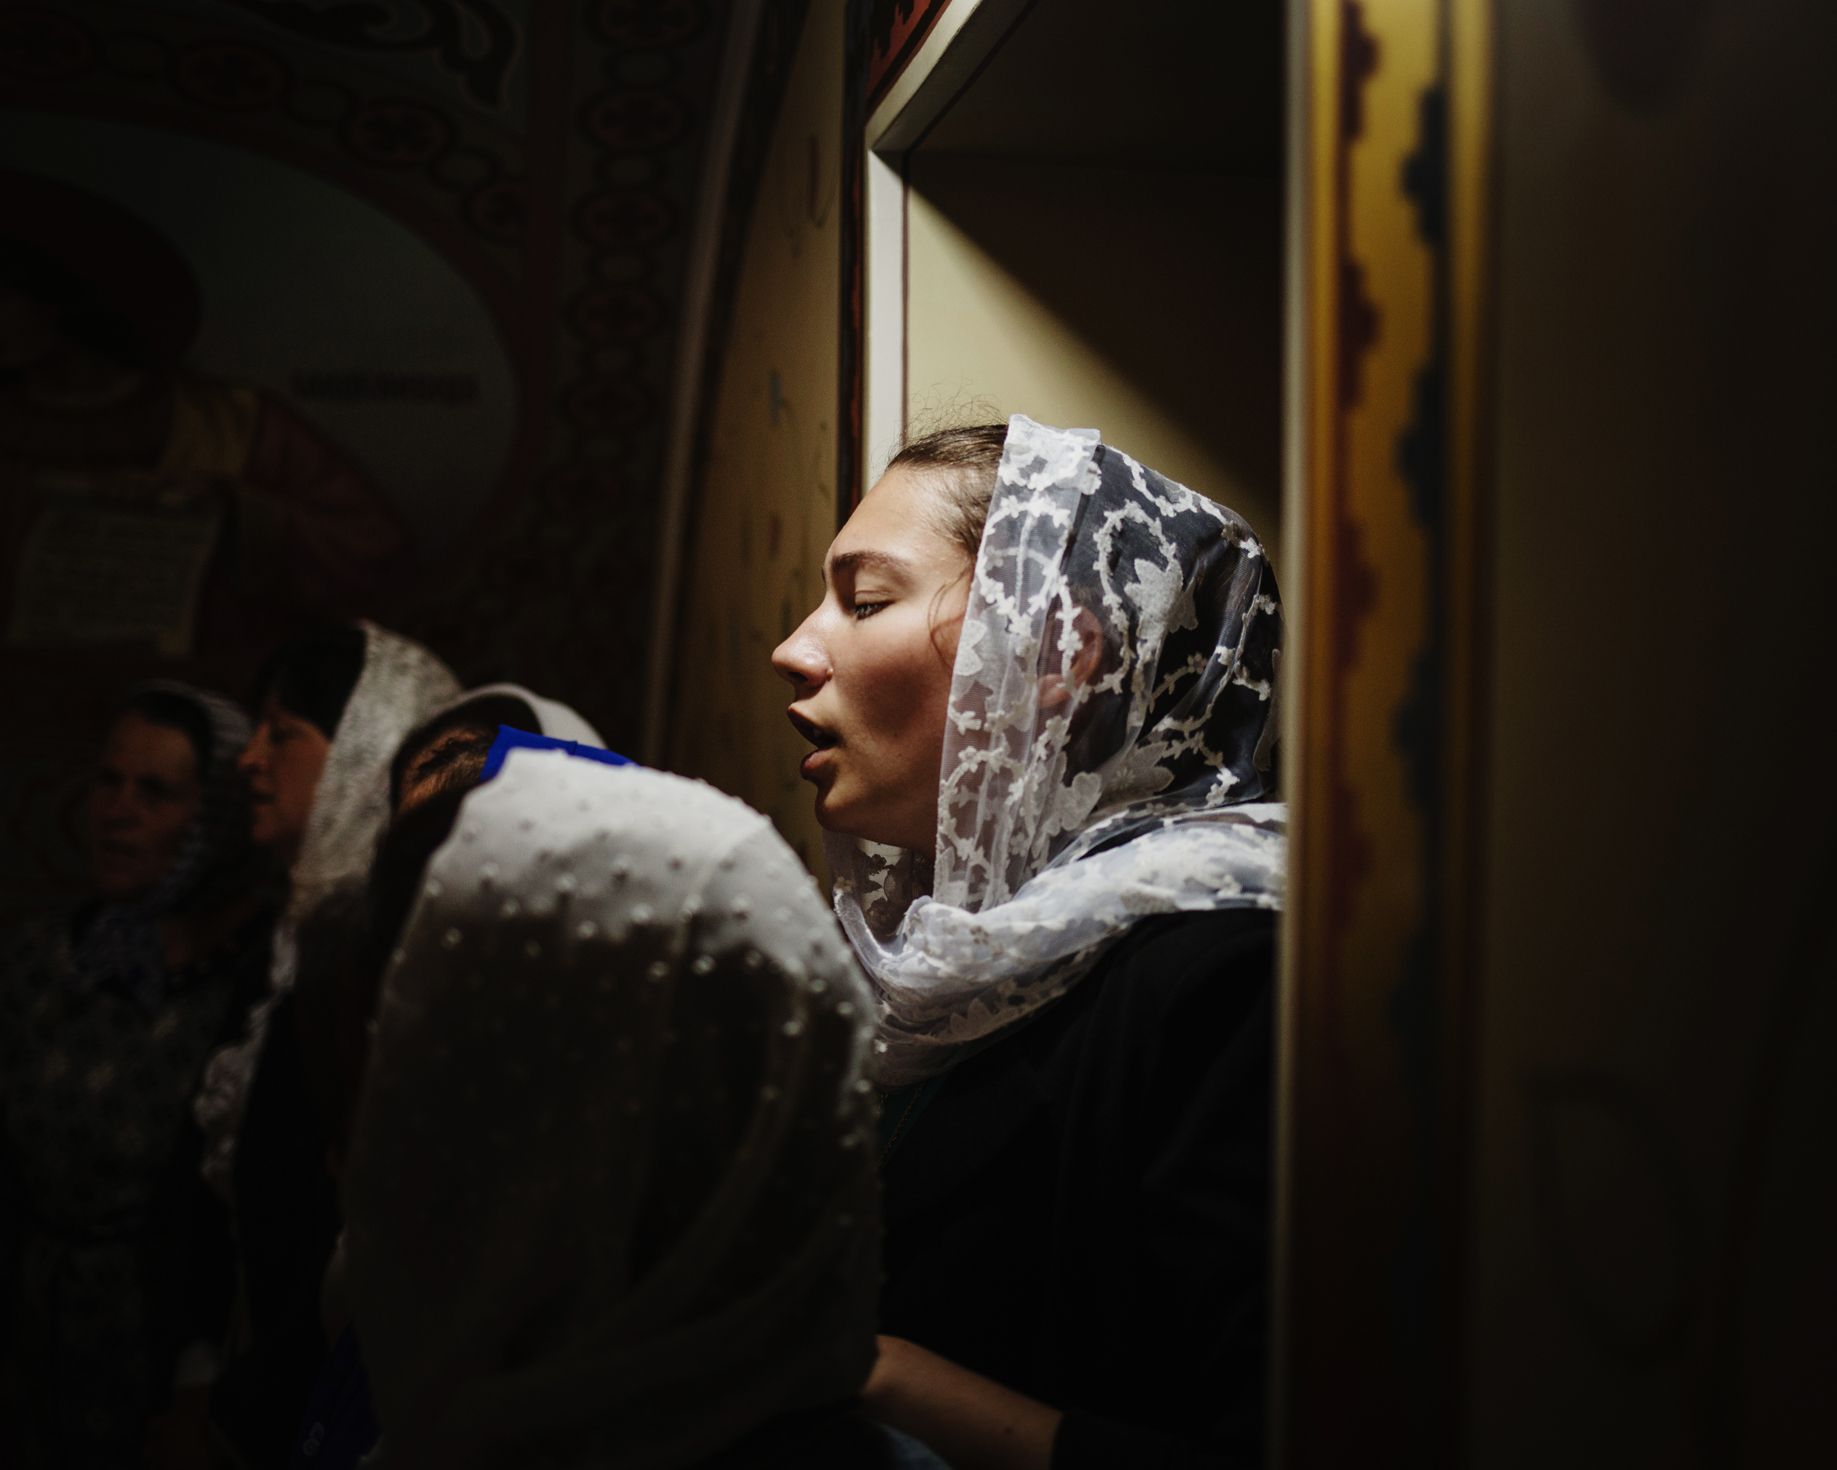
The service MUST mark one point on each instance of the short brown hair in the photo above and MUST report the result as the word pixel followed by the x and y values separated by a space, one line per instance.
pixel 967 460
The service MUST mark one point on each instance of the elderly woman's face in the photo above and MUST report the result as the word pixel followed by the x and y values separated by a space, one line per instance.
pixel 871 666
pixel 283 761
pixel 144 799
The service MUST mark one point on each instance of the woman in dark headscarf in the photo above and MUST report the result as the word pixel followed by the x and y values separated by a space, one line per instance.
pixel 120 1260
pixel 1041 688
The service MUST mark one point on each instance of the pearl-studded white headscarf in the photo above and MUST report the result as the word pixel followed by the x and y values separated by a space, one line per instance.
pixel 611 1196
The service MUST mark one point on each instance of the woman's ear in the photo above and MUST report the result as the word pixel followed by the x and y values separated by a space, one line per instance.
pixel 1056 689
pixel 1090 646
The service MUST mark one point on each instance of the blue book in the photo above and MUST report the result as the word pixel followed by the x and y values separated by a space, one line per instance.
pixel 509 740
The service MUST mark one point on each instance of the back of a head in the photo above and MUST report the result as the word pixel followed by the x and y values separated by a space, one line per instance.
pixel 611 1193
pixel 449 751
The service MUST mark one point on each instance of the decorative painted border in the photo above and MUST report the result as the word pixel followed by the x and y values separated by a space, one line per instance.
pixel 1393 252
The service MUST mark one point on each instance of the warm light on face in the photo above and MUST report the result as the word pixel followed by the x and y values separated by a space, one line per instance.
pixel 283 761
pixel 144 800
pixel 871 666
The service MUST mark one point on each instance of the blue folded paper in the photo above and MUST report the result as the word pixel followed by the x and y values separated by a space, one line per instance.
pixel 509 740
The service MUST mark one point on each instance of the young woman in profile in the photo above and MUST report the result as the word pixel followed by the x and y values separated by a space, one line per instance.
pixel 1040 688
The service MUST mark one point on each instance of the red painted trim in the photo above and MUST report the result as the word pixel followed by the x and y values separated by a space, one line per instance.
pixel 907 35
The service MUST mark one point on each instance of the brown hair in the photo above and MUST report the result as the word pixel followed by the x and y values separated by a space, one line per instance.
pixel 465 735
pixel 964 462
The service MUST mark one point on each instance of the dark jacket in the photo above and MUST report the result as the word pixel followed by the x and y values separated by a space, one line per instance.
pixel 1081 1211
pixel 287 1222
pixel 117 1255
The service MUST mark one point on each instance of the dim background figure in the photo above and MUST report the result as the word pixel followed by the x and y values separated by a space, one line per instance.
pixel 119 1263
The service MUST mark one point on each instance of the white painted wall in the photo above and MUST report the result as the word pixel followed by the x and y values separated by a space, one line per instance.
pixel 1143 304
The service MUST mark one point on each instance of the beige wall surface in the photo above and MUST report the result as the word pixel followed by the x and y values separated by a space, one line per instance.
pixel 1657 1185
pixel 767 510
pixel 1145 304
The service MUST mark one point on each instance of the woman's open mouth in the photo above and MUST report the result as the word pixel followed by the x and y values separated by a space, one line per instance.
pixel 822 739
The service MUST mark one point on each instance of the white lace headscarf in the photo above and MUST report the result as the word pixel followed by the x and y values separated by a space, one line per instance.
pixel 611 1197
pixel 399 684
pixel 1062 823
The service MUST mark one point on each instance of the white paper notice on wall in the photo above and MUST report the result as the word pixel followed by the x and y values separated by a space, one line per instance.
pixel 96 572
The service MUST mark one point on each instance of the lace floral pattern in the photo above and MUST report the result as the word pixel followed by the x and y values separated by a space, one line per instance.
pixel 1108 754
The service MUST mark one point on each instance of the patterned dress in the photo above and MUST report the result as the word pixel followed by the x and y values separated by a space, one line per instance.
pixel 118 1255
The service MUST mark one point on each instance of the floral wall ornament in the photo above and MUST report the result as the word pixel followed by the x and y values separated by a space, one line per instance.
pixel 42 43
pixel 1387 681
pixel 476 40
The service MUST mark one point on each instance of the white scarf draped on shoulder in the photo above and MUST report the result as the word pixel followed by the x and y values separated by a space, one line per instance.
pixel 1063 822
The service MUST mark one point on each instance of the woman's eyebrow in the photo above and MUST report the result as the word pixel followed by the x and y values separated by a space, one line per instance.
pixel 853 562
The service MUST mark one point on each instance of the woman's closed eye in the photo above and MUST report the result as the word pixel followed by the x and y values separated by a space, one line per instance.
pixel 866 608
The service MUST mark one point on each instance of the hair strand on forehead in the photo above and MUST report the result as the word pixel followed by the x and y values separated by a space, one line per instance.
pixel 963 462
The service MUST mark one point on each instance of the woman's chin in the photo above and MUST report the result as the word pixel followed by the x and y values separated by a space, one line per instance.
pixel 846 821
pixel 827 817
pixel 843 818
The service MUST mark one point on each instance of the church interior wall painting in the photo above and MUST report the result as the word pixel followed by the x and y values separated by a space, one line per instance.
pixel 402 284
pixel 375 309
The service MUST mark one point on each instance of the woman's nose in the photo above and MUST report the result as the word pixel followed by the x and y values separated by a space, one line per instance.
pixel 254 755
pixel 801 659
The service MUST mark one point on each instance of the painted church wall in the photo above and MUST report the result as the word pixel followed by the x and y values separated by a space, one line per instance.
pixel 1653 1280
pixel 437 270
pixel 767 507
